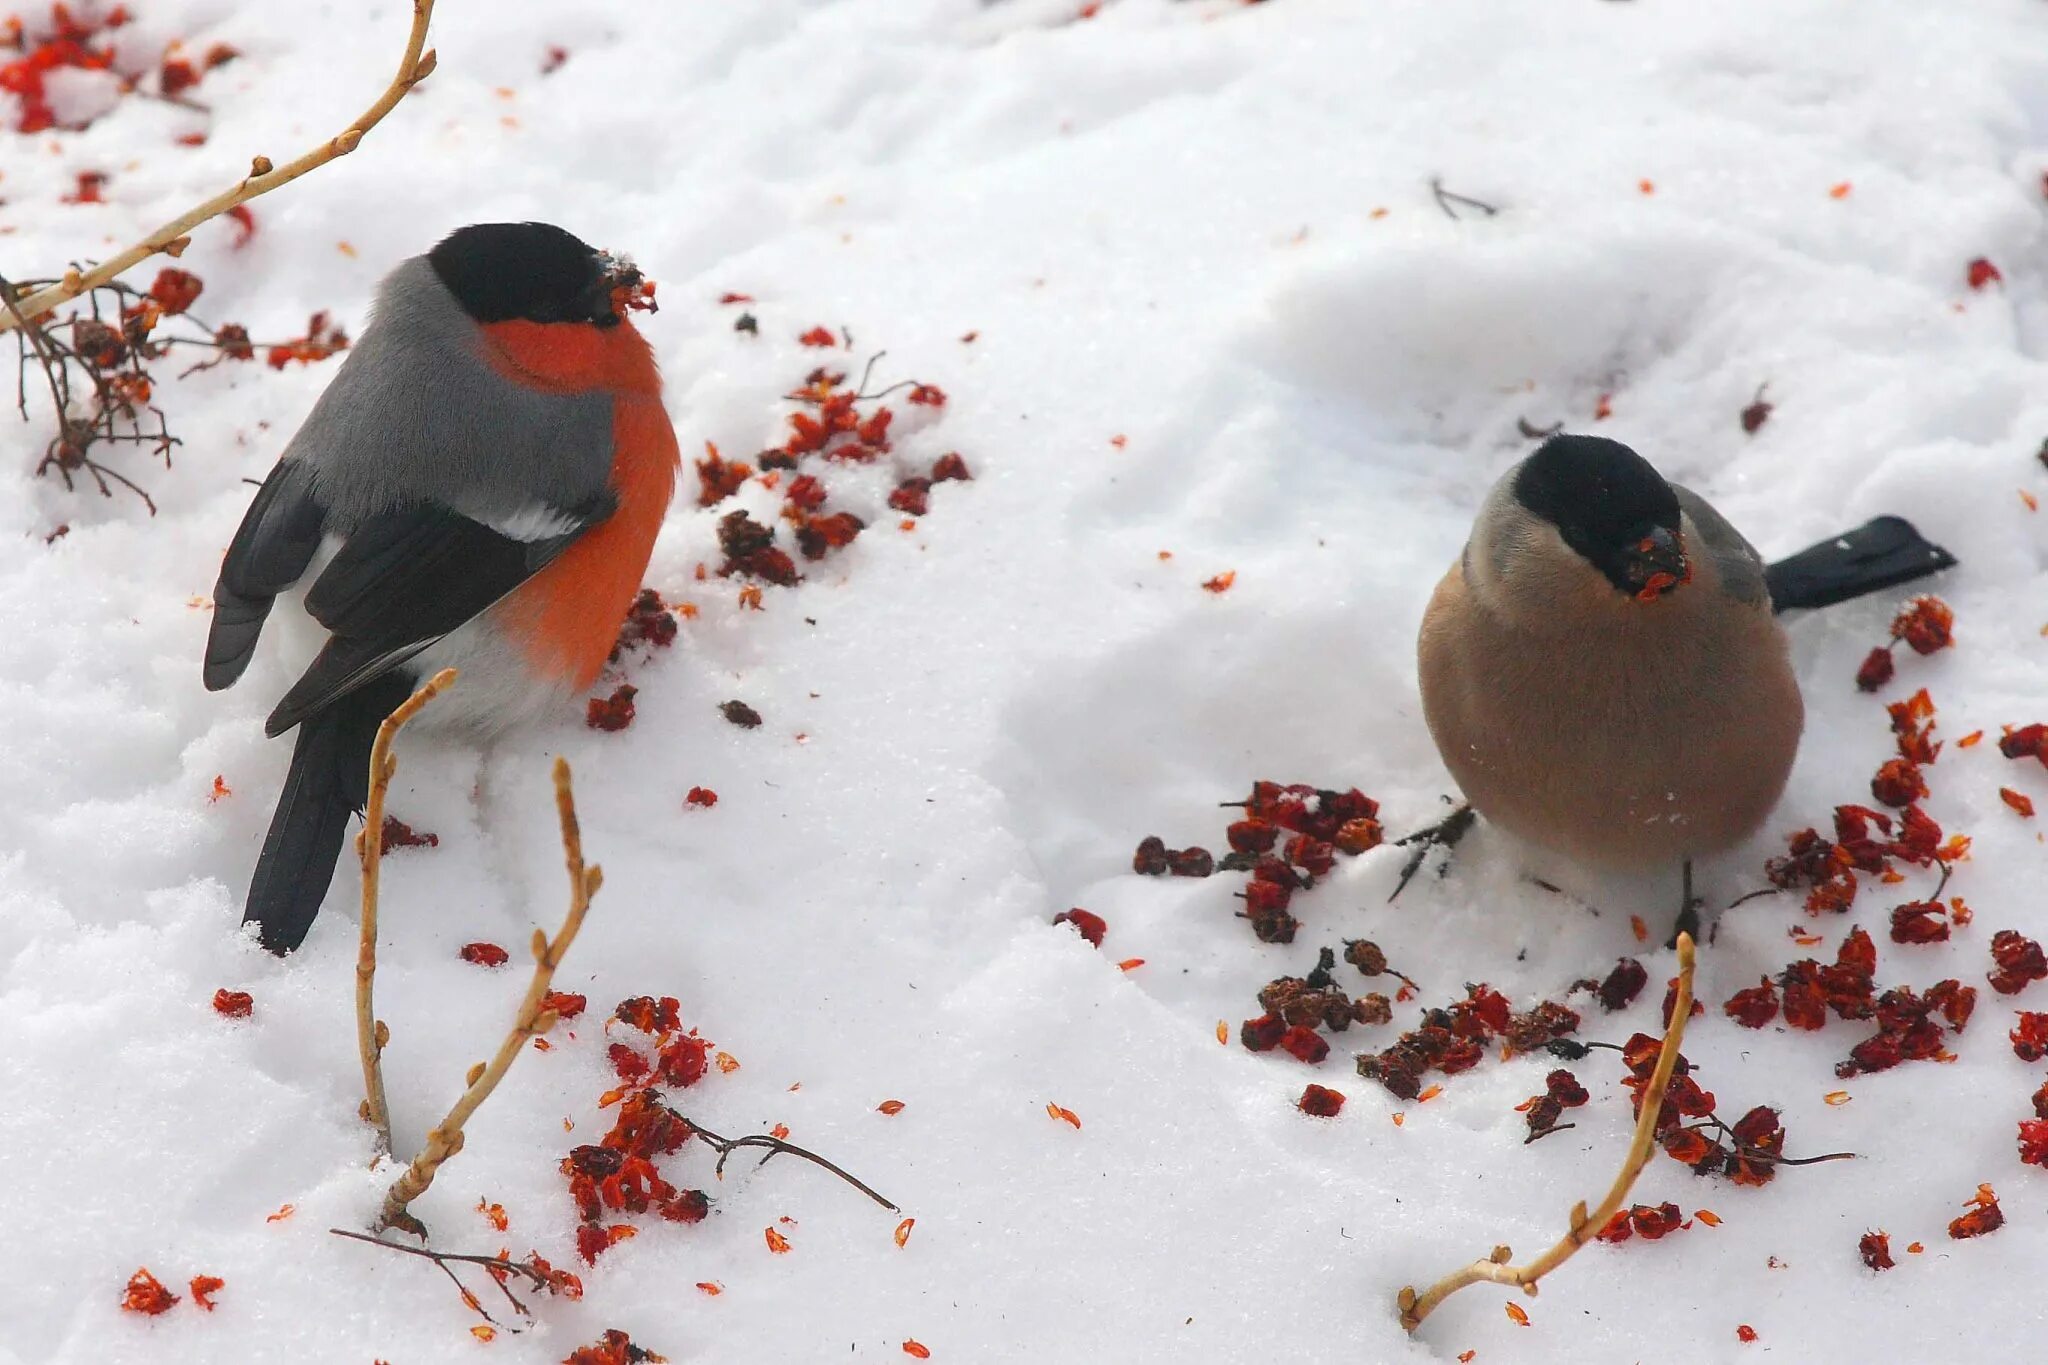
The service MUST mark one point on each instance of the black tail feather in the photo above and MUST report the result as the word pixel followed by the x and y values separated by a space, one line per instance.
pixel 237 624
pixel 329 781
pixel 1882 553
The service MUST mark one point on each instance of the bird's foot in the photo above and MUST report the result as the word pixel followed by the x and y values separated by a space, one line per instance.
pixel 1444 834
pixel 1688 911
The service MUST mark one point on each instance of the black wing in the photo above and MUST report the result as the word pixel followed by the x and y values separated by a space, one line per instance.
pixel 402 581
pixel 271 550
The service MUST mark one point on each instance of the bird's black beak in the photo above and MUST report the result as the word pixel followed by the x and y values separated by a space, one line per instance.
pixel 1655 563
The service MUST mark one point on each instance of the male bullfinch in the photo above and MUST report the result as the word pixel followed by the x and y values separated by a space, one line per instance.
pixel 1602 669
pixel 480 486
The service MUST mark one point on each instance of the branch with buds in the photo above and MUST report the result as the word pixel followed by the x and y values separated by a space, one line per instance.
pixel 173 237
pixel 532 1020
pixel 371 1035
pixel 1584 1226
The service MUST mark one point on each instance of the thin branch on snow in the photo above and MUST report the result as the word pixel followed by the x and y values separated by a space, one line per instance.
pixel 371 1035
pixel 725 1147
pixel 1584 1226
pixel 499 1267
pixel 1450 200
pixel 173 237
pixel 446 1139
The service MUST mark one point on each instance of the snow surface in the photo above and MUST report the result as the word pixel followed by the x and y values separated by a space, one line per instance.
pixel 1165 224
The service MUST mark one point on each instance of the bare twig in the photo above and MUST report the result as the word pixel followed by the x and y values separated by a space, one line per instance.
pixel 446 1139
pixel 499 1267
pixel 1584 1226
pixel 172 238
pixel 371 1035
pixel 725 1147
pixel 1447 199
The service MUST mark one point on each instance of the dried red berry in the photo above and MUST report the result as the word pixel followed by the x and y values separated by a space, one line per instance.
pixel 146 1294
pixel 1926 625
pixel 484 954
pixel 1754 1007
pixel 1262 1034
pixel 1981 272
pixel 949 468
pixel 912 497
pixel 740 714
pixel 2018 961
pixel 1898 783
pixel 176 290
pixel 564 1004
pixel 1150 860
pixel 2025 741
pixel 1623 984
pixel 1088 924
pixel 1304 1044
pixel 1564 1087
pixel 1876 1250
pixel 1324 1103
pixel 1190 862
pixel 1252 835
pixel 1876 669
pixel 2033 1141
pixel 2029 1035
pixel 1919 922
pixel 233 1004
pixel 1984 1216
pixel 612 713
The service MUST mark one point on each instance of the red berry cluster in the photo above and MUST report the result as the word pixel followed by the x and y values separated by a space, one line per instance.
pixel 618 1174
pixel 649 622
pixel 832 425
pixel 1909 1023
pixel 64 43
pixel 1454 1039
pixel 398 834
pixel 1748 1151
pixel 1926 626
pixel 1317 824
pixel 1645 1221
pixel 1296 1006
pixel 1155 859
pixel 912 497
pixel 1561 1091
pixel 613 1348
pixel 614 712
pixel 1868 840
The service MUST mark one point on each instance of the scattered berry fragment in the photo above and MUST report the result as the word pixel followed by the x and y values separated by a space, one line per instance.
pixel 484 954
pixel 233 1004
pixel 1324 1103
pixel 147 1295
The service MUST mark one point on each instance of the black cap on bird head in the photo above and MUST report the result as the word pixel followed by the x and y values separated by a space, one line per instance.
pixel 531 272
pixel 1613 508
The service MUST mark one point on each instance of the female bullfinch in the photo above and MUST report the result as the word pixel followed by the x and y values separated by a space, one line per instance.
pixel 1602 669
pixel 480 487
